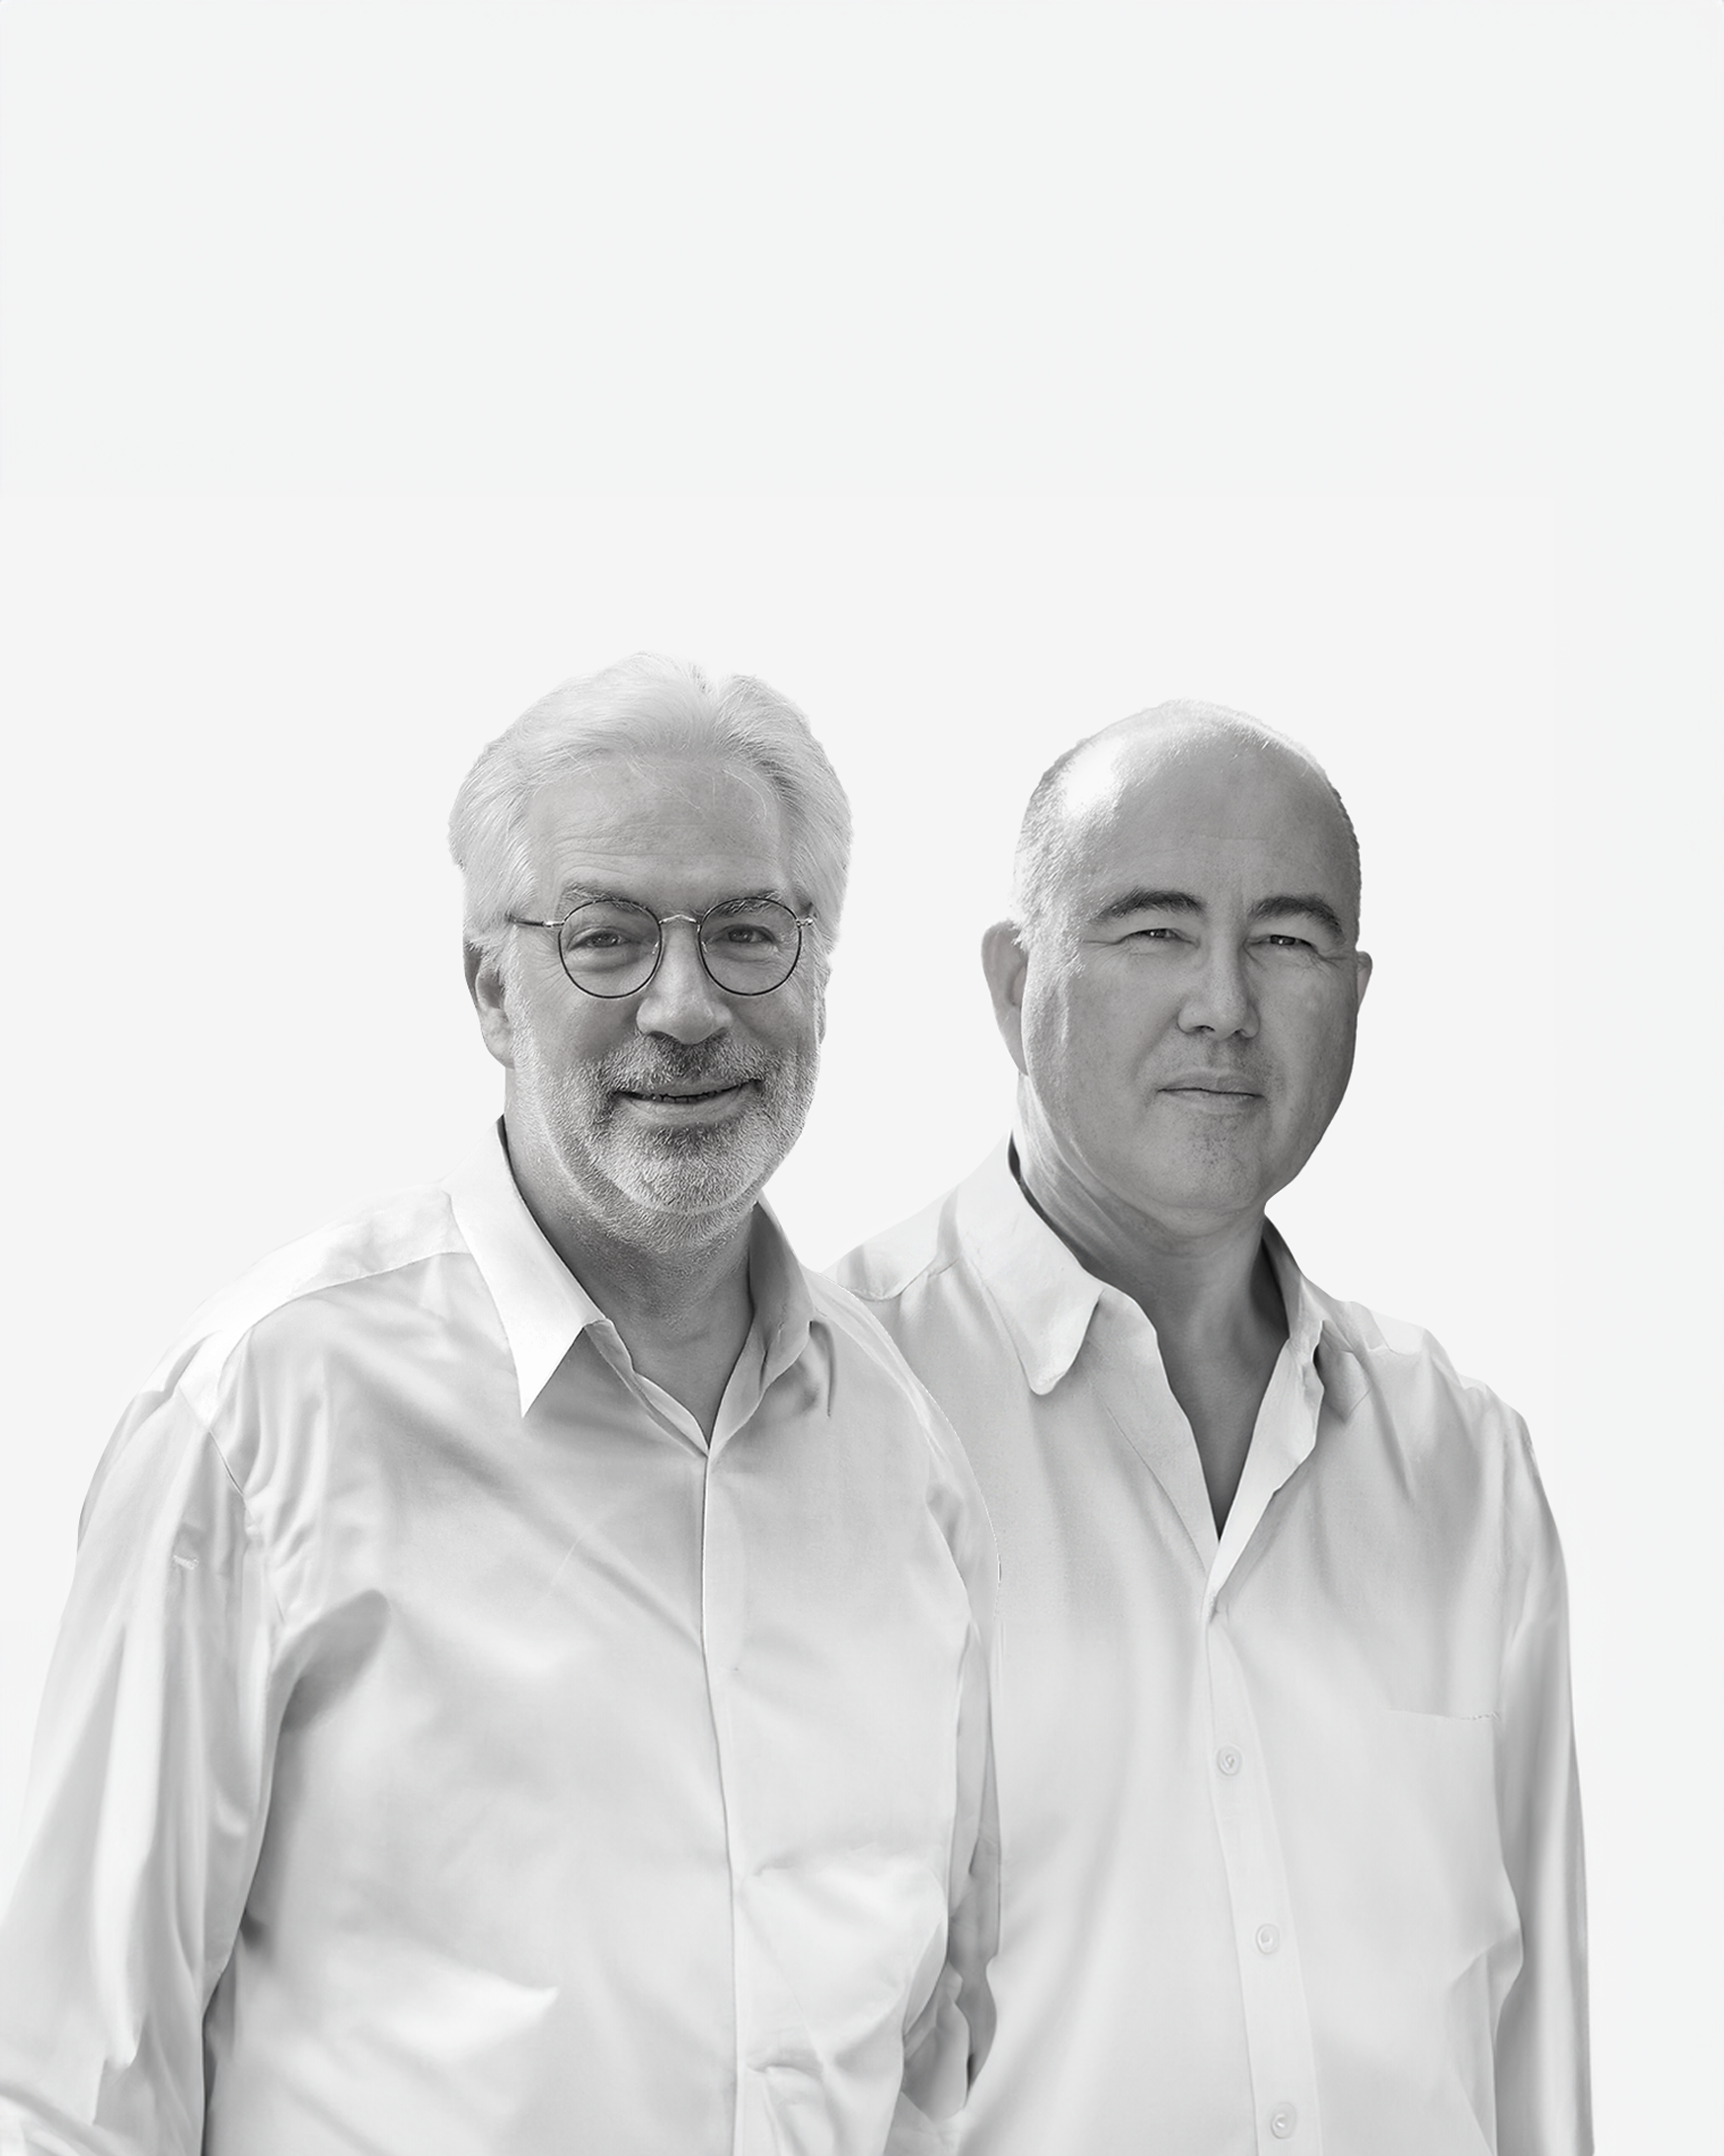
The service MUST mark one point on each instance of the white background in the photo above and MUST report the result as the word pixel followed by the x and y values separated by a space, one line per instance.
pixel 976 376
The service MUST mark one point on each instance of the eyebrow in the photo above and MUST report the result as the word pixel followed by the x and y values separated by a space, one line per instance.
pixel 587 894
pixel 1301 901
pixel 1278 907
pixel 1141 900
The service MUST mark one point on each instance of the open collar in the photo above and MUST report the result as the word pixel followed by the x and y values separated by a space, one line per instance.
pixel 1043 1295
pixel 1047 1299
pixel 784 1308
pixel 1322 1334
pixel 544 1308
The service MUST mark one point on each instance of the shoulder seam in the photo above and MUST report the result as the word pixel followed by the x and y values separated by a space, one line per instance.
pixel 222 1343
pixel 940 1261
pixel 254 1531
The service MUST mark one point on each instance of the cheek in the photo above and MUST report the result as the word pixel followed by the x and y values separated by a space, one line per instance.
pixel 791 1021
pixel 1096 1014
pixel 1079 1045
pixel 559 1039
pixel 785 1045
pixel 1317 1031
pixel 1045 1024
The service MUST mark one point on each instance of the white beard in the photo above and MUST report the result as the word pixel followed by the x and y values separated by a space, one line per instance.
pixel 634 1177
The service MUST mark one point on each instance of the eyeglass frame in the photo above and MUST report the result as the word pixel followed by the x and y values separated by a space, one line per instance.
pixel 661 921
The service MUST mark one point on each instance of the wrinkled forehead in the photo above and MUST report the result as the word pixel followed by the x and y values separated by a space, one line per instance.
pixel 1216 815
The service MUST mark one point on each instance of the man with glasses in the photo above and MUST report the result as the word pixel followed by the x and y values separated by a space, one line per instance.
pixel 523 1686
pixel 1290 1831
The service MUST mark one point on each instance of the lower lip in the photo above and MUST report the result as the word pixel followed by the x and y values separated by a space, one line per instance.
pixel 1208 1104
pixel 693 1108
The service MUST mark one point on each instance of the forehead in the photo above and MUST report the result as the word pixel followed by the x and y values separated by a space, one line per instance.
pixel 674 830
pixel 1222 820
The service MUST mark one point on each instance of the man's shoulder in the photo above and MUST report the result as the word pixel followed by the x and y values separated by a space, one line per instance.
pixel 887 1265
pixel 1412 1372
pixel 863 1343
pixel 856 1330
pixel 335 1265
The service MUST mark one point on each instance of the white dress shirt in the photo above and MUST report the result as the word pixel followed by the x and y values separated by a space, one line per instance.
pixel 1290 1826
pixel 446 1752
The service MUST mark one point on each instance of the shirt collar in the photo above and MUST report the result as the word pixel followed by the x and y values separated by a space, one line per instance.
pixel 1305 1321
pixel 1043 1295
pixel 544 1308
pixel 1317 1331
pixel 784 1310
pixel 1047 1299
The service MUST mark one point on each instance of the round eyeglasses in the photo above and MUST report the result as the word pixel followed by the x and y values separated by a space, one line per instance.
pixel 613 946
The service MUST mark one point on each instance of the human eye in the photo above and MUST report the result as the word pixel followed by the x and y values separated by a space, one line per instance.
pixel 740 935
pixel 595 935
pixel 605 934
pixel 749 926
pixel 1284 947
pixel 590 937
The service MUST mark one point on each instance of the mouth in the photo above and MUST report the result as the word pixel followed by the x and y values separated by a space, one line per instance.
pixel 1216 1089
pixel 692 1093
pixel 680 1101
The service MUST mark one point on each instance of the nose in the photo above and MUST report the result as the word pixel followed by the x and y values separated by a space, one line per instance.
pixel 682 1001
pixel 1219 999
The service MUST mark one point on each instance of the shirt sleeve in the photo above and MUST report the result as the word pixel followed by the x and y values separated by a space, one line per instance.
pixel 1544 2095
pixel 147 1793
pixel 946 2045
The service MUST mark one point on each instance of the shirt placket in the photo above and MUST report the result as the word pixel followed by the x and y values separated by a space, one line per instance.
pixel 1277 2031
pixel 723 1590
pixel 1277 2026
pixel 723 1619
pixel 760 2043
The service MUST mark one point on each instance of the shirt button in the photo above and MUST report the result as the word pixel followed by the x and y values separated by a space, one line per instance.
pixel 1228 1760
pixel 1282 2122
pixel 1268 1938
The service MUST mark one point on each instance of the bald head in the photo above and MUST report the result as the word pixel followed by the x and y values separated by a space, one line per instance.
pixel 1180 990
pixel 1193 749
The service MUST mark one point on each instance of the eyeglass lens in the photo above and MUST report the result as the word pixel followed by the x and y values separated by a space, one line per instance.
pixel 610 947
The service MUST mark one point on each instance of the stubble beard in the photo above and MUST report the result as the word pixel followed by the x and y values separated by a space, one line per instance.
pixel 653 1185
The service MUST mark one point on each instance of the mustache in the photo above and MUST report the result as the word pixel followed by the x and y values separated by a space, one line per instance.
pixel 673 1063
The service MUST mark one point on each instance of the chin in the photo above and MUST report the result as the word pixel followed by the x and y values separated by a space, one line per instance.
pixel 696 1170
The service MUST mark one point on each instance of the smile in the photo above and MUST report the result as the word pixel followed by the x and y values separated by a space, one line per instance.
pixel 690 1098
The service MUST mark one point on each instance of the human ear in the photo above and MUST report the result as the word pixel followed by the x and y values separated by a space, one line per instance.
pixel 486 985
pixel 1005 961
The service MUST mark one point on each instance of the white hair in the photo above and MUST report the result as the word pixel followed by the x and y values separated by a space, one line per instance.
pixel 1047 841
pixel 641 706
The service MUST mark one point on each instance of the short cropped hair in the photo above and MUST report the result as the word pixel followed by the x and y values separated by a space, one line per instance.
pixel 1047 849
pixel 641 707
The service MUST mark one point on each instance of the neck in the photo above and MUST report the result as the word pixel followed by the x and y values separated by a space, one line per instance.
pixel 675 1289
pixel 1204 1282
pixel 1185 1268
pixel 675 1286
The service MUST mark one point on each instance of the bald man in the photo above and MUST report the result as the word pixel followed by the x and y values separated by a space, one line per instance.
pixel 1287 1782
